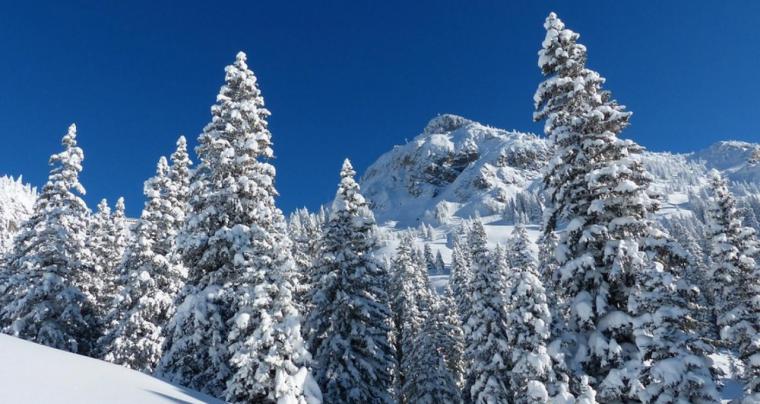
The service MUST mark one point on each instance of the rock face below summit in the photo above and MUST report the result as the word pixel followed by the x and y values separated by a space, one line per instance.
pixel 455 167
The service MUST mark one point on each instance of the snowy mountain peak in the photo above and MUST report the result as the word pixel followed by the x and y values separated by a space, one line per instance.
pixel 455 167
pixel 727 154
pixel 445 123
pixel 737 160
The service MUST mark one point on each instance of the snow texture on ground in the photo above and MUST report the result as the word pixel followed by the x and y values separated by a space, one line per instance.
pixel 32 373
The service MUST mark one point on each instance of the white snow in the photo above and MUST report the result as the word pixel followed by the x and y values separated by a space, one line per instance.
pixel 31 373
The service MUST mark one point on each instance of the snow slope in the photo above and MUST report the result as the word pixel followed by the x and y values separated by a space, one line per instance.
pixel 31 373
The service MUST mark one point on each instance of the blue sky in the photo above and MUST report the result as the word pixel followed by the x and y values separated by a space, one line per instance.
pixel 350 78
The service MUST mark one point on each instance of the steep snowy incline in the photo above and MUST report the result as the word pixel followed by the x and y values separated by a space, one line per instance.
pixel 31 373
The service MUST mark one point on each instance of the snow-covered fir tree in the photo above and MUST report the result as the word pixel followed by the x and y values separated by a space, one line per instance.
pixel 461 275
pixel 236 332
pixel 106 255
pixel 405 305
pixel 305 232
pixel 520 249
pixel 696 277
pixel 736 281
pixel 153 279
pixel 50 265
pixel 107 239
pixel 121 227
pixel 432 267
pixel 450 334
pixel 486 335
pixel 529 322
pixel 673 371
pixel 179 188
pixel 598 190
pixel 429 378
pixel 350 318
pixel 440 266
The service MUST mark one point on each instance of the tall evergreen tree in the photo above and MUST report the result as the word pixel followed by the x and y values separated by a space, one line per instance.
pixel 351 317
pixel 102 241
pixel 598 189
pixel 236 333
pixel 146 301
pixel 449 335
pixel 432 269
pixel 305 231
pixel 121 227
pixel 736 277
pixel 461 276
pixel 665 327
pixel 439 264
pixel 529 322
pixel 405 305
pixel 178 190
pixel 429 379
pixel 486 335
pixel 49 268
pixel 521 249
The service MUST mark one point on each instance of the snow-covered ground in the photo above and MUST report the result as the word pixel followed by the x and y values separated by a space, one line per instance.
pixel 31 373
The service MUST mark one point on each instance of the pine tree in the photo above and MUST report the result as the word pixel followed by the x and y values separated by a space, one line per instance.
pixel 121 229
pixel 521 249
pixel 439 265
pixel 106 254
pixel 179 187
pixel 599 189
pixel 486 335
pixel 429 379
pixel 236 332
pixel 432 269
pixel 146 302
pixel 449 335
pixel 529 322
pixel 699 296
pixel 305 232
pixel 461 276
pixel 405 305
pixel 351 317
pixel 736 277
pixel 50 264
pixel 674 366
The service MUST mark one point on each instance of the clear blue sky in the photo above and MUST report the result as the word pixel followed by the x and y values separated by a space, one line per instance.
pixel 350 78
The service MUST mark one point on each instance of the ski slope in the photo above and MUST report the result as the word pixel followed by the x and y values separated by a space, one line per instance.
pixel 32 373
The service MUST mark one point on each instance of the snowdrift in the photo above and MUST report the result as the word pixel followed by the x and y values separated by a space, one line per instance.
pixel 32 373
